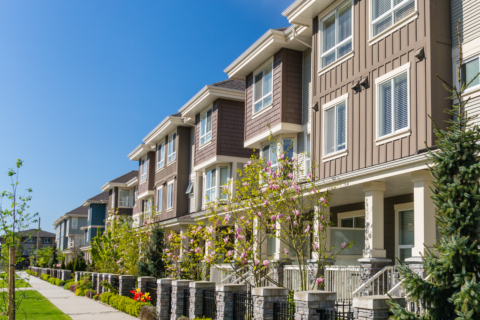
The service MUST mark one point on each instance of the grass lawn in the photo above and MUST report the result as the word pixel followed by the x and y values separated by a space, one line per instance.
pixel 36 307
pixel 19 283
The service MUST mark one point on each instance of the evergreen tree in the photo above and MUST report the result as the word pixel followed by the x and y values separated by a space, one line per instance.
pixel 153 265
pixel 452 290
pixel 53 257
pixel 63 265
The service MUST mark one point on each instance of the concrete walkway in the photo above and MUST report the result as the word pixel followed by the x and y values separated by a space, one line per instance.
pixel 78 308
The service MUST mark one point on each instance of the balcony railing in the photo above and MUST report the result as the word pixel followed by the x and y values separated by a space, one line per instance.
pixel 346 235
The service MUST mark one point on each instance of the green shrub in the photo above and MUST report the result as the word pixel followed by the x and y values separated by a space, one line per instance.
pixel 52 280
pixel 105 297
pixel 122 303
pixel 45 277
pixel 67 285
pixel 80 292
pixel 59 282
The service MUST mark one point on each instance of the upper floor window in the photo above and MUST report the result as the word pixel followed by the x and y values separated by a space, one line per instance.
pixel 269 152
pixel 30 240
pixel 470 68
pixel 172 150
pixel 205 127
pixel 159 198
pixel 223 183
pixel 216 181
pixel 210 185
pixel 393 105
pixel 113 198
pixel 308 158
pixel 124 198
pixel 47 240
pixel 263 88
pixel 74 223
pixel 71 242
pixel 386 13
pixel 147 206
pixel 337 34
pixel 143 167
pixel 335 129
pixel 170 196
pixel 161 155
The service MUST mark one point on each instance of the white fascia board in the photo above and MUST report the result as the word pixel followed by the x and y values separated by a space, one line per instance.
pixel 147 194
pixel 162 129
pixel 110 185
pixel 89 202
pixel 280 128
pixel 301 12
pixel 59 220
pixel 133 182
pixel 216 160
pixel 207 96
pixel 134 155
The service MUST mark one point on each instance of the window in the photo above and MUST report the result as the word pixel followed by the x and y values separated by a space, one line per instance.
pixel 269 152
pixel 393 105
pixel 170 196
pixel 159 198
pixel 171 147
pixel 189 188
pixel 147 206
pixel 143 167
pixel 307 156
pixel 88 235
pixel 30 240
pixel 124 198
pixel 205 127
pixel 386 13
pixel 161 155
pixel 263 88
pixel 406 234
pixel 210 184
pixel 337 36
pixel 469 70
pixel 80 241
pixel 353 222
pixel 47 240
pixel 223 183
pixel 74 223
pixel 71 243
pixel 335 129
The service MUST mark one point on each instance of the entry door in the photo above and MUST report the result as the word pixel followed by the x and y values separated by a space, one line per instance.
pixel 406 234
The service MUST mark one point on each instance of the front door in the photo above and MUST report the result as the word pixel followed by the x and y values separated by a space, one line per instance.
pixel 405 235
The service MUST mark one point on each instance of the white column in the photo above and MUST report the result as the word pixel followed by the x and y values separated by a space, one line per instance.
pixel 424 214
pixel 374 237
pixel 280 246
pixel 317 232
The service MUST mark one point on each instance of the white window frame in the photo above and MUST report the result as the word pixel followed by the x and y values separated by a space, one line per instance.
pixel 147 206
pixel 172 155
pixel 337 45
pixel 466 60
pixel 113 199
pixel 395 26
pixel 159 198
pixel 71 242
pixel 170 195
pixel 399 208
pixel 190 186
pixel 308 156
pixel 143 167
pixel 119 198
pixel 74 225
pixel 352 217
pixel 47 240
pixel 256 73
pixel 218 187
pixel 205 136
pixel 404 132
pixel 161 155
pixel 326 106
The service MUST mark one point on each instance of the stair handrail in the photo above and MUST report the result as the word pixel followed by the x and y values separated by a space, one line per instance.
pixel 357 292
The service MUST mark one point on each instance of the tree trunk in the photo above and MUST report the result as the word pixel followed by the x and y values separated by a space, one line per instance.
pixel 11 284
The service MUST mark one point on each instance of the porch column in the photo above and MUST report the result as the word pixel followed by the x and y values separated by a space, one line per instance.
pixel 424 216
pixel 281 260
pixel 317 232
pixel 261 235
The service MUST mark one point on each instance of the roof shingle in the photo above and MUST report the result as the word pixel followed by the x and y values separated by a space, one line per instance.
pixel 230 84
pixel 126 177
pixel 100 197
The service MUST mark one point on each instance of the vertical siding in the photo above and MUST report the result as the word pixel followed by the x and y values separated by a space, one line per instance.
pixel 301 142
pixel 208 151
pixel 467 11
pixel 306 86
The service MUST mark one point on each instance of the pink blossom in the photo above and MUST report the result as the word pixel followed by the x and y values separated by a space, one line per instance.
pixel 344 245
pixel 229 253
pixel 273 227
pixel 297 213
pixel 191 241
pixel 269 163
pixel 288 218
pixel 322 199
pixel 290 175
pixel 210 229
pixel 225 240
pixel 322 217
pixel 242 217
pixel 293 160
pixel 308 229
pixel 315 245
pixel 319 280
pixel 266 203
pixel 265 263
pixel 285 251
pixel 243 255
pixel 315 191
pixel 245 184
pixel 310 175
pixel 259 214
pixel 191 250
pixel 272 217
pixel 295 223
pixel 256 262
pixel 292 199
pixel 217 222
pixel 183 237
pixel 239 230
pixel 282 156
pixel 166 250
pixel 227 217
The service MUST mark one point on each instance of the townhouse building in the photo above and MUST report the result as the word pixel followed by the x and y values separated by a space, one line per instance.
pixel 69 233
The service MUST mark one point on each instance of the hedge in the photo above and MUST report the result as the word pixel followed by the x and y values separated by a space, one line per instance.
pixel 45 277
pixel 122 303
pixel 67 285
pixel 59 282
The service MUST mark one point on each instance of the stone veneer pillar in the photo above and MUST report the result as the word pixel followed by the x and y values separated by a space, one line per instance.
pixel 178 288
pixel 142 282
pixel 164 294
pixel 66 275
pixel 373 307
pixel 225 295
pixel 94 281
pixel 99 280
pixel 125 285
pixel 111 278
pixel 264 299
pixel 310 303
pixel 196 297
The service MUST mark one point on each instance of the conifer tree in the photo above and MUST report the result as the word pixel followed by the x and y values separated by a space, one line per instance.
pixel 153 265
pixel 452 290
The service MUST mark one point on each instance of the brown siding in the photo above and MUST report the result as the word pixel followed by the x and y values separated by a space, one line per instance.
pixel 125 211
pixel 292 86
pixel 426 92
pixel 148 184
pixel 208 151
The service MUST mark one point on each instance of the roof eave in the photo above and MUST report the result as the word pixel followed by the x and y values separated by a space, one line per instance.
pixel 301 12
pixel 161 130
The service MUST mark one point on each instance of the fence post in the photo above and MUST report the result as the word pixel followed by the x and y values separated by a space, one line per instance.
pixel 309 303
pixel 66 275
pixel 263 301
pixel 142 282
pixel 99 280
pixel 196 297
pixel 225 295
pixel 112 279
pixel 164 296
pixel 94 280
pixel 373 307
pixel 125 285
pixel 178 287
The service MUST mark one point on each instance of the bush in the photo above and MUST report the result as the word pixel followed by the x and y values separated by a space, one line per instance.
pixel 90 294
pixel 52 280
pixel 96 297
pixel 67 285
pixel 59 282
pixel 45 277
pixel 80 292
pixel 122 303
pixel 105 297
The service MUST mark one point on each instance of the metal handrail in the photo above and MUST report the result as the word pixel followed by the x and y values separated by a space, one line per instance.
pixel 386 270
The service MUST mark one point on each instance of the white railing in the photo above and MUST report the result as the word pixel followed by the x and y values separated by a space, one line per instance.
pixel 221 274
pixel 291 278
pixel 380 283
pixel 399 291
pixel 343 280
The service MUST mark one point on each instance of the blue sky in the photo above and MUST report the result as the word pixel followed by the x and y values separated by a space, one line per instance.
pixel 82 82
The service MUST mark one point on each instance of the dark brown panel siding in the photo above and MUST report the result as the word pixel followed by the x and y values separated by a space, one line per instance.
pixel 395 50
pixel 125 211
pixel 208 151
pixel 292 86
pixel 148 184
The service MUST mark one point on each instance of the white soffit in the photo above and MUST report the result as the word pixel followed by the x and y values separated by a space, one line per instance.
pixel 301 12
pixel 162 130
pixel 139 152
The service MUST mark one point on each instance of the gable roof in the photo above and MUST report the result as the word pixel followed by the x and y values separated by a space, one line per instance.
pixel 126 177
pixel 231 84
pixel 100 197
pixel 42 233
pixel 80 211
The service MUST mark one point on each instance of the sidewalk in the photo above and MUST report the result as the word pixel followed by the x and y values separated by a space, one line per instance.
pixel 78 308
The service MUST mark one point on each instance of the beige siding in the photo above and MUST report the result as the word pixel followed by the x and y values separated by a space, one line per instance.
pixel 467 11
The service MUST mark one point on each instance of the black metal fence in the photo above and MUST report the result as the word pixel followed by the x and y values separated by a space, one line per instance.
pixel 283 311
pixel 186 302
pixel 151 288
pixel 116 283
pixel 169 293
pixel 209 304
pixel 242 306
pixel 333 314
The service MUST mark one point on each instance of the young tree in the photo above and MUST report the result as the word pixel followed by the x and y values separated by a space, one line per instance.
pixel 152 265
pixel 452 290
pixel 53 257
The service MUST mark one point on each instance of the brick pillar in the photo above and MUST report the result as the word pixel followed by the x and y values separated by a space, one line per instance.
pixel 142 282
pixel 111 278
pixel 66 275
pixel 196 297
pixel 225 294
pixel 309 303
pixel 373 307
pixel 126 284
pixel 263 300
pixel 164 294
pixel 178 288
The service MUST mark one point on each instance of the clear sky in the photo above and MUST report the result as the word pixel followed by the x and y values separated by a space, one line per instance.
pixel 82 82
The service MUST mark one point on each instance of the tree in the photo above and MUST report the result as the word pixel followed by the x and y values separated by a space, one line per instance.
pixel 152 265
pixel 451 290
pixel 53 257
pixel 44 255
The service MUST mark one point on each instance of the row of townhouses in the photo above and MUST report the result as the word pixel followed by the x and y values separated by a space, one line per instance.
pixel 351 85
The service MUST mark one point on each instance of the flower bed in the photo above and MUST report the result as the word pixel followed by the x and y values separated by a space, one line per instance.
pixel 122 303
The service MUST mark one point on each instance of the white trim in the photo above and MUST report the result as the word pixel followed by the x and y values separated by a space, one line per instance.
pixel 205 144
pixel 161 143
pixel 349 214
pixel 280 128
pixel 218 159
pixel 170 183
pixel 255 115
pixel 397 208
pixel 393 136
pixel 146 194
pixel 169 124
pixel 335 155
pixel 159 199
pixel 206 124
pixel 259 70
pixel 332 104
pixel 336 63
pixel 170 163
pixel 173 144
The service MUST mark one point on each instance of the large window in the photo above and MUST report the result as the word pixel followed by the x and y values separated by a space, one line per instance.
pixel 263 88
pixel 172 149
pixel 170 196
pixel 337 36
pixel 161 155
pixel 147 206
pixel 74 223
pixel 143 168
pixel 30 240
pixel 406 234
pixel 335 129
pixel 47 240
pixel 210 185
pixel 205 127
pixel 308 162
pixel 159 198
pixel 216 183
pixel 386 13
pixel 269 152
pixel 223 183
pixel 124 198
pixel 393 105
pixel 469 70
pixel 353 222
